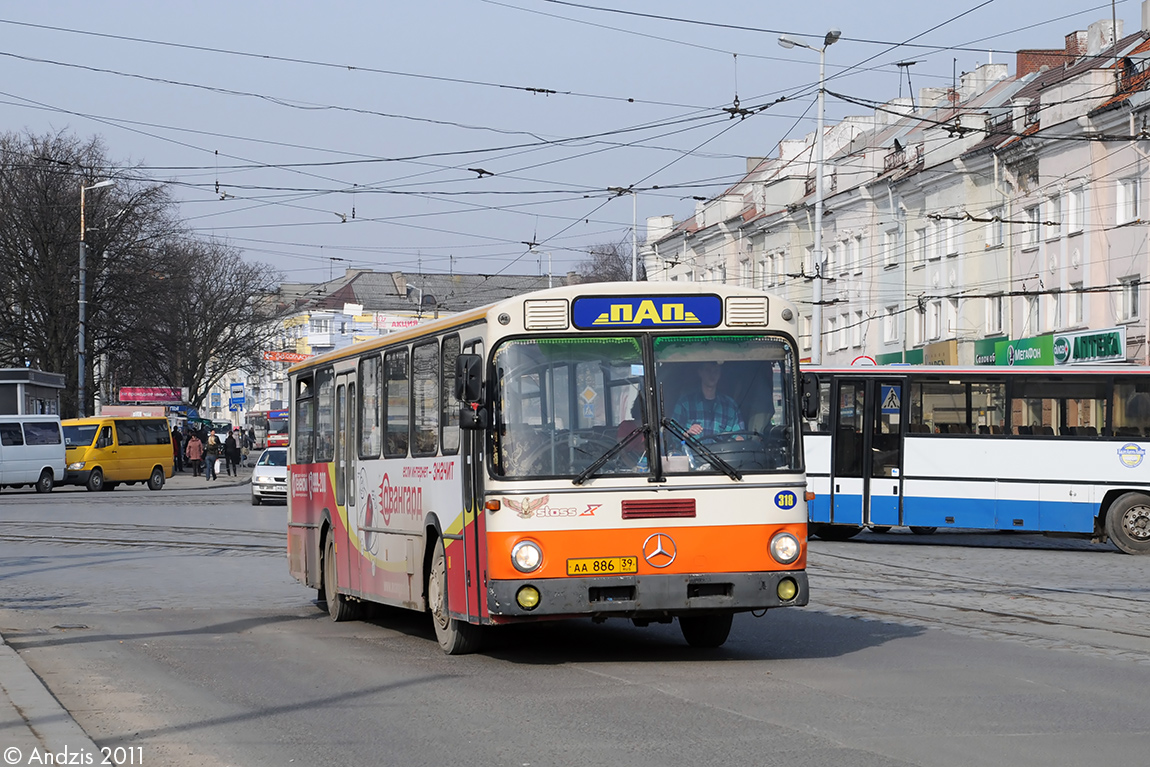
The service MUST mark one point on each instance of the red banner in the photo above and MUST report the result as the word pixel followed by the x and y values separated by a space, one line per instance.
pixel 152 394
pixel 285 356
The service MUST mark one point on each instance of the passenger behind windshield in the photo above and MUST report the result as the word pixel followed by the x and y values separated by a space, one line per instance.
pixel 702 411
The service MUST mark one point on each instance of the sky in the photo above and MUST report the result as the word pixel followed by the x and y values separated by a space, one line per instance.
pixel 471 136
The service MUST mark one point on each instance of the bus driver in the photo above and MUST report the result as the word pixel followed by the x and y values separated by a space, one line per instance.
pixel 704 412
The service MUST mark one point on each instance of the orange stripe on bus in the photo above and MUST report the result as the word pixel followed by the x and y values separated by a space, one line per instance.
pixel 705 549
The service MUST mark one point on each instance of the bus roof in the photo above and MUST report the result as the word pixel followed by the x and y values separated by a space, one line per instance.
pixel 565 292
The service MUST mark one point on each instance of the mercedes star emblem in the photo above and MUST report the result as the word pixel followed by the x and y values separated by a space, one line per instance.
pixel 659 550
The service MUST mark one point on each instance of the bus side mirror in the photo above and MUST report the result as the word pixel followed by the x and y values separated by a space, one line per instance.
pixel 469 378
pixel 809 392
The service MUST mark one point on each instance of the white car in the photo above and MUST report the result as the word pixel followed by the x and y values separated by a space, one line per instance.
pixel 269 477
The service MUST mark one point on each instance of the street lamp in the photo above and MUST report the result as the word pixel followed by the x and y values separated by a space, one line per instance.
pixel 817 313
pixel 619 192
pixel 84 296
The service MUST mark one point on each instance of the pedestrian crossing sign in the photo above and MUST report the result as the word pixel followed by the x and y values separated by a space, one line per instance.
pixel 890 399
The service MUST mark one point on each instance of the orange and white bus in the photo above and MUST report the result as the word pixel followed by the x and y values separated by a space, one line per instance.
pixel 625 450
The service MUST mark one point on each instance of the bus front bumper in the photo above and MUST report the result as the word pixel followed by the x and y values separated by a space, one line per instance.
pixel 648 595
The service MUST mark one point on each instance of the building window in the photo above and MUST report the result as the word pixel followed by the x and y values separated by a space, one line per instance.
pixel 1074 305
pixel 932 243
pixel 844 329
pixel 994 307
pixel 1127 200
pixel 1030 326
pixel 805 334
pixel 856 246
pixel 919 248
pixel 809 261
pixel 746 277
pixel 994 227
pixel 934 320
pixel 890 248
pixel 857 330
pixel 1053 311
pixel 1128 308
pixel 890 325
pixel 950 230
pixel 918 326
pixel 1030 233
pixel 319 326
pixel 781 267
pixel 1075 210
pixel 1053 217
pixel 762 278
pixel 831 336
pixel 951 307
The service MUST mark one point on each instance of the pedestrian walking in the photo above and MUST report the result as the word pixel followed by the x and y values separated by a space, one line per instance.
pixel 195 453
pixel 177 449
pixel 211 455
pixel 232 455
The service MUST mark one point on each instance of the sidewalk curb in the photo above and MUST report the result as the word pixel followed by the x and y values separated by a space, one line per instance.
pixel 49 726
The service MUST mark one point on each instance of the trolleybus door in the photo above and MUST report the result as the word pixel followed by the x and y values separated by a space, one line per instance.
pixel 474 469
pixel 866 486
pixel 346 408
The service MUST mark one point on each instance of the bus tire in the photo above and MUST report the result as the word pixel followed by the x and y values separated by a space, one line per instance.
pixel 706 631
pixel 46 482
pixel 1128 523
pixel 923 530
pixel 880 529
pixel 156 481
pixel 95 480
pixel 456 637
pixel 339 607
pixel 838 532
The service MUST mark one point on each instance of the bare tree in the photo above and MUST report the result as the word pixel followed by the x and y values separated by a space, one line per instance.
pixel 610 262
pixel 162 307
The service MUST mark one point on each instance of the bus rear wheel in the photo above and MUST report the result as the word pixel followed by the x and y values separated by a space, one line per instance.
pixel 923 530
pixel 1128 523
pixel 456 637
pixel 339 607
pixel 706 630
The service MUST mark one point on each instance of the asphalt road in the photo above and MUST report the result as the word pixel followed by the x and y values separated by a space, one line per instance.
pixel 167 622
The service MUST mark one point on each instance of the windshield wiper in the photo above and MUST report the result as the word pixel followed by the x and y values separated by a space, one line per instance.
pixel 617 448
pixel 703 450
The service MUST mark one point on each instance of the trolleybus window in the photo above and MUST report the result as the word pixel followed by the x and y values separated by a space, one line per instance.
pixel 370 382
pixel 304 420
pixel 425 399
pixel 449 416
pixel 398 403
pixel 324 415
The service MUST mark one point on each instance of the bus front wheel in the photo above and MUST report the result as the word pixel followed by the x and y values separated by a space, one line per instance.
pixel 1128 523
pixel 339 607
pixel 706 630
pixel 95 480
pixel 456 637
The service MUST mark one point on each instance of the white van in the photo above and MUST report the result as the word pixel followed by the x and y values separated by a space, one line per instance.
pixel 31 451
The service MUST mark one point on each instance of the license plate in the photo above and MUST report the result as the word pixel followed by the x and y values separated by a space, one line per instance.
pixel 603 566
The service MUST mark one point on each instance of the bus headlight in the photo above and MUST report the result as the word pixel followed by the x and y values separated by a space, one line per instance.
pixel 526 556
pixel 76 466
pixel 785 548
pixel 528 597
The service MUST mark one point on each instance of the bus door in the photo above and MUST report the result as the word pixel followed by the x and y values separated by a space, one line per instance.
pixel 346 408
pixel 474 469
pixel 866 460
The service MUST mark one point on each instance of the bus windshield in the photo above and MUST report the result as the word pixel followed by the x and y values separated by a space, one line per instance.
pixel 569 407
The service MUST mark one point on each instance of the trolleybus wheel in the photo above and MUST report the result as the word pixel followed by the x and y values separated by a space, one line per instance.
pixel 339 607
pixel 95 480
pixel 923 530
pixel 456 637
pixel 45 483
pixel 1128 523
pixel 706 630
